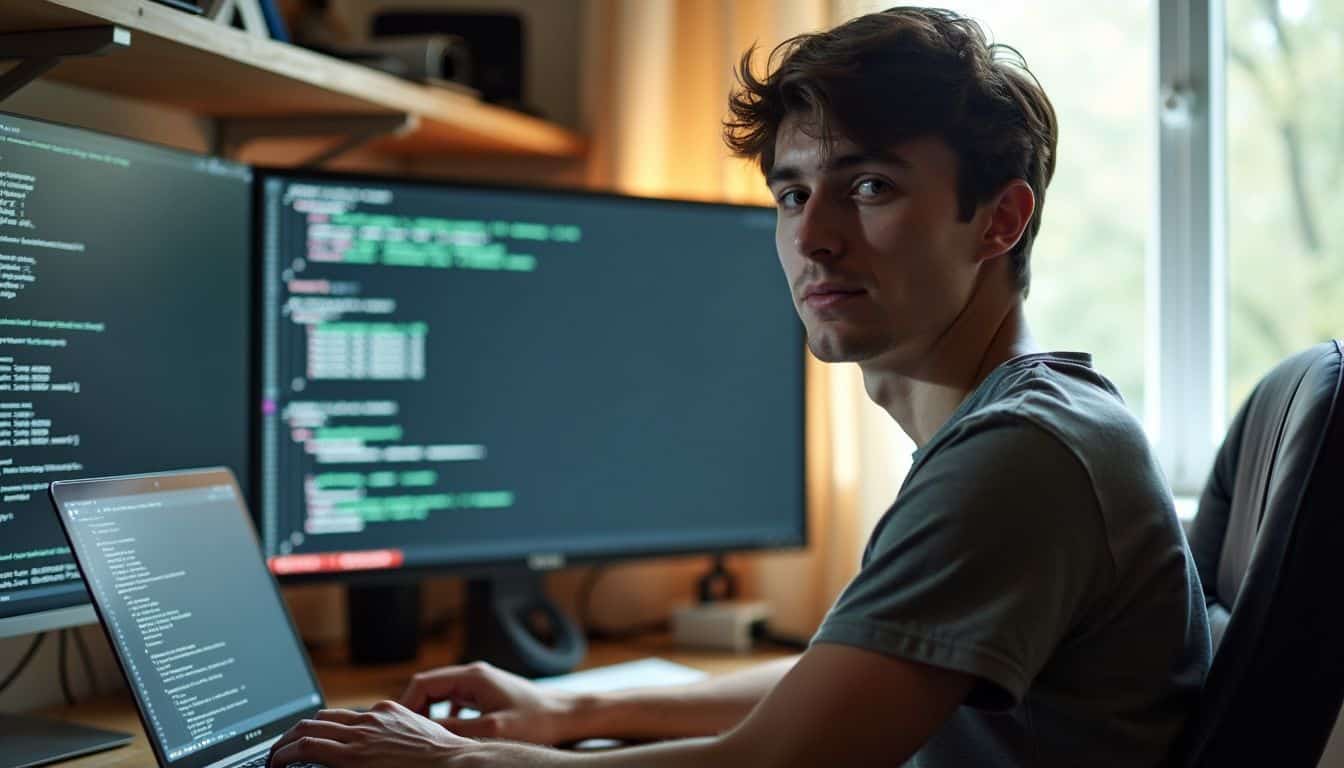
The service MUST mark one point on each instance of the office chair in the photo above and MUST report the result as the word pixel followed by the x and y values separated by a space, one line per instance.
pixel 1268 540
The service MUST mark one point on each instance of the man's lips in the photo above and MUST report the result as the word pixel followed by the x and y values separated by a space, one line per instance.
pixel 830 295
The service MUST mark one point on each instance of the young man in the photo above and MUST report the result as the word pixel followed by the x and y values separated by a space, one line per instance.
pixel 1029 598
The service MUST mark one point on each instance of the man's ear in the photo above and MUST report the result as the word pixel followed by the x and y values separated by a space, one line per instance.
pixel 1010 212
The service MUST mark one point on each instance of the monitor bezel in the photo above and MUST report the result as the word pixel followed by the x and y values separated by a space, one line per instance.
pixel 46 620
pixel 533 561
pixel 129 485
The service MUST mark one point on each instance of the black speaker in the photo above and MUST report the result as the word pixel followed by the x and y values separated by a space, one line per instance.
pixel 494 41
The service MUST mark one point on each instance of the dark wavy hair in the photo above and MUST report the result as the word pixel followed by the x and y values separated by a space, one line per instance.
pixel 901 74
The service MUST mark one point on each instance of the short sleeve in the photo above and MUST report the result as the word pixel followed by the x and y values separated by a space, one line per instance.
pixel 984 562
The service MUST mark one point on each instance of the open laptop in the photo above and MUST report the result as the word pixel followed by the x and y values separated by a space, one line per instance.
pixel 193 615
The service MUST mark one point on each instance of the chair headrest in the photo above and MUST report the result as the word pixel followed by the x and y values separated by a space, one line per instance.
pixel 1269 453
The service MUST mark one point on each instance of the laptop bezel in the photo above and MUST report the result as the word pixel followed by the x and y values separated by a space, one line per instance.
pixel 63 491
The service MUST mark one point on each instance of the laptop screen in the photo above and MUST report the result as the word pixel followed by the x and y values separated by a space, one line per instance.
pixel 176 574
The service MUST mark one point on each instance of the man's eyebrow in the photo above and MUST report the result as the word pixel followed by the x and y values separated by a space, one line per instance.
pixel 839 163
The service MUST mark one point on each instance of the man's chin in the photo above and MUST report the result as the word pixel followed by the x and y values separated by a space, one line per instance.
pixel 833 349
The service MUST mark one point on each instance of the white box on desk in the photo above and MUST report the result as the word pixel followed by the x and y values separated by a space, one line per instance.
pixel 725 626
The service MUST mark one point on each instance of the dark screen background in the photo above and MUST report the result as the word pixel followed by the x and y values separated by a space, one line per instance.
pixel 628 371
pixel 151 246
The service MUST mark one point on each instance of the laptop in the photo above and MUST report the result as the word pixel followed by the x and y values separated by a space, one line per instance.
pixel 194 617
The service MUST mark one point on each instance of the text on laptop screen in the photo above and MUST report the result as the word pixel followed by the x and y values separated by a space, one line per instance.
pixel 196 618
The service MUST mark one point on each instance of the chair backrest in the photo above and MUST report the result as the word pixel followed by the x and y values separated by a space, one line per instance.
pixel 1268 540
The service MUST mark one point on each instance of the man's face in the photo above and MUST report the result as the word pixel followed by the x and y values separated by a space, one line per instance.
pixel 877 260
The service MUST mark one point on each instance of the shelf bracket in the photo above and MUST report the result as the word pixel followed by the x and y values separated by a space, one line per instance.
pixel 233 133
pixel 38 51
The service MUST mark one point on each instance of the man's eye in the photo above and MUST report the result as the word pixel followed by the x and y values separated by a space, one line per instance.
pixel 871 188
pixel 791 198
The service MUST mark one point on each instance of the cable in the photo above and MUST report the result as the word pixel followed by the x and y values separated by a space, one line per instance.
pixel 718 584
pixel 87 659
pixel 23 662
pixel 62 640
pixel 585 598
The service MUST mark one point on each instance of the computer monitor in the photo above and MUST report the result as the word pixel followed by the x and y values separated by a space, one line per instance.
pixel 462 377
pixel 124 328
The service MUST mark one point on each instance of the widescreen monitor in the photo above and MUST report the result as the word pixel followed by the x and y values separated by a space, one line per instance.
pixel 457 376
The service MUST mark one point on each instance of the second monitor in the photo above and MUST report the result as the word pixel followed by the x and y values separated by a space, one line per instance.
pixel 462 377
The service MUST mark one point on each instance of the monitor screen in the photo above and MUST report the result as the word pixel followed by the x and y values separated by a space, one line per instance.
pixel 124 324
pixel 457 375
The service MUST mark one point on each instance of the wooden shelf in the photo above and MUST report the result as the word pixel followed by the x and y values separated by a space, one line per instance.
pixel 186 61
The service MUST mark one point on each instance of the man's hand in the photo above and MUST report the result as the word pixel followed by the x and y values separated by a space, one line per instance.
pixel 387 736
pixel 511 707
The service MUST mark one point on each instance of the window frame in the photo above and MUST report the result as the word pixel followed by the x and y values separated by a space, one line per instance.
pixel 1186 357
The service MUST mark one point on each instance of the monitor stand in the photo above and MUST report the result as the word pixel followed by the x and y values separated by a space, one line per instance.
pixel 384 622
pixel 27 741
pixel 511 623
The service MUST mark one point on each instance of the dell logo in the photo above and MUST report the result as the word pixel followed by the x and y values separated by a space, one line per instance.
pixel 252 735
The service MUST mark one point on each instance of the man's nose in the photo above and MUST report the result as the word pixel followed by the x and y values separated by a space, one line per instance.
pixel 818 236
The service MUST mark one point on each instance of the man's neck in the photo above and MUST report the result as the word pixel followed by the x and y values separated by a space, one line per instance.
pixel 922 397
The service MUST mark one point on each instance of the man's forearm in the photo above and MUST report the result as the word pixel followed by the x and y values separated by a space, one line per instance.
pixel 702 753
pixel 701 709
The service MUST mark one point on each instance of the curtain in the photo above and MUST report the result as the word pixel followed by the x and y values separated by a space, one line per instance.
pixel 656 90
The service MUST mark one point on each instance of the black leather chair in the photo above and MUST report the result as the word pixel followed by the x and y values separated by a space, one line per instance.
pixel 1269 543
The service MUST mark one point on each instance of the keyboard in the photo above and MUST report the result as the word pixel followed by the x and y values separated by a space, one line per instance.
pixel 260 762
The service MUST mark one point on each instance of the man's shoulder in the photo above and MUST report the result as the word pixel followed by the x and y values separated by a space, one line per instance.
pixel 1001 466
pixel 1070 402
pixel 1050 436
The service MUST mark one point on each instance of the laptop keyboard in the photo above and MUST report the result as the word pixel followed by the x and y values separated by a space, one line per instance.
pixel 260 762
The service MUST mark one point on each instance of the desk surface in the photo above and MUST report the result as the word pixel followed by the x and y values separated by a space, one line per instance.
pixel 348 686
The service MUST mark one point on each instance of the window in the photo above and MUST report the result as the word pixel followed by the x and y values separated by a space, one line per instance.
pixel 1214 130
pixel 1285 173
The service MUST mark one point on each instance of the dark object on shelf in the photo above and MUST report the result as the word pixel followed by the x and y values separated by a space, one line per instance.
pixel 494 41
pixel 441 60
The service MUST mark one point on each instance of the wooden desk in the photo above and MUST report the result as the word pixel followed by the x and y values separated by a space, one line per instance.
pixel 347 686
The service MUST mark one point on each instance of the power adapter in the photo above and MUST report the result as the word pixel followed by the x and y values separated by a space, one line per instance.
pixel 725 625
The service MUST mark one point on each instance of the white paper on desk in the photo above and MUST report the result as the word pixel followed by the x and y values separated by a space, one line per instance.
pixel 643 673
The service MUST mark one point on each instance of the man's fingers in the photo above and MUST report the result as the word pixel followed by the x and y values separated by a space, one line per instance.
pixel 484 727
pixel 309 750
pixel 342 716
pixel 319 729
pixel 429 687
pixel 425 689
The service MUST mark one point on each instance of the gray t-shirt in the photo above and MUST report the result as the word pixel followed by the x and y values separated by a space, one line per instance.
pixel 1034 545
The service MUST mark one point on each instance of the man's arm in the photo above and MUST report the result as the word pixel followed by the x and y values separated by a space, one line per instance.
pixel 838 705
pixel 517 710
pixel 699 709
